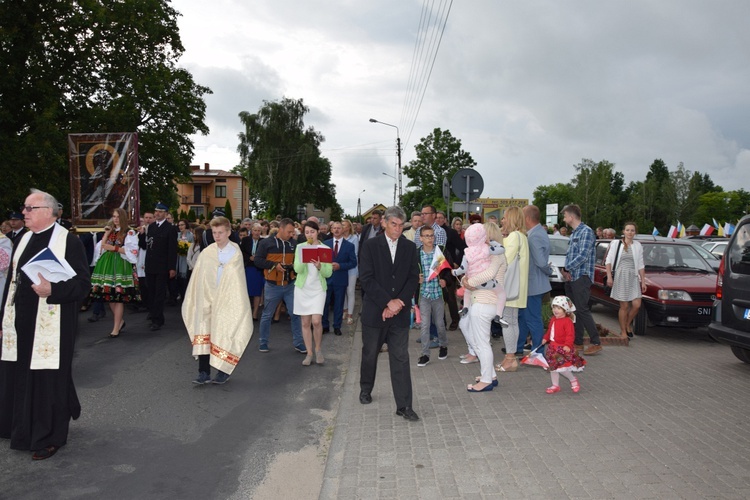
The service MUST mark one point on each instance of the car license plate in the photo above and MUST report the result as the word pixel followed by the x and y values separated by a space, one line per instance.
pixel 704 311
pixel 747 314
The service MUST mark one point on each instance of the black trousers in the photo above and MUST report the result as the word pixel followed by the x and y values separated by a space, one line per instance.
pixel 397 339
pixel 157 289
pixel 579 292
pixel 449 296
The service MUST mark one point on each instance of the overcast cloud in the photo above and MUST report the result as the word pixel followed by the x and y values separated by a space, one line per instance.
pixel 530 88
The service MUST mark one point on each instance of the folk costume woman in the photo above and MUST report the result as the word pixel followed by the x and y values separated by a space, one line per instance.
pixel 114 279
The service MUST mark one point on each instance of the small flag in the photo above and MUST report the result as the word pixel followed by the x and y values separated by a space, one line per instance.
pixel 672 233
pixel 439 262
pixel 716 224
pixel 655 232
pixel 707 230
pixel 535 359
pixel 728 229
pixel 681 229
pixel 721 231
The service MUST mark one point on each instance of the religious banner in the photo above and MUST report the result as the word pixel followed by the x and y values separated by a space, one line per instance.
pixel 103 176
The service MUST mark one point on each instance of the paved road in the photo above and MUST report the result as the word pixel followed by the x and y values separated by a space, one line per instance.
pixel 666 417
pixel 147 432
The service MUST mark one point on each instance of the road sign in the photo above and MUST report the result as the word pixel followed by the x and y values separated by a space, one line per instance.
pixel 467 182
pixel 552 209
pixel 460 206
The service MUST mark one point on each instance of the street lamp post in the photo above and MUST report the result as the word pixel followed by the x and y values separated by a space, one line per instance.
pixel 394 186
pixel 398 154
pixel 359 206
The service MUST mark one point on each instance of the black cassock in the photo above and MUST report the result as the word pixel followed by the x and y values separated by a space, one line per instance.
pixel 36 405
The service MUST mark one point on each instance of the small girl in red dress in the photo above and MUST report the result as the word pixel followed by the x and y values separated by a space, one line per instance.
pixel 560 354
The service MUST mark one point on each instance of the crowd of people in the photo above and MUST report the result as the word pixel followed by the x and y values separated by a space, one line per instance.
pixel 483 274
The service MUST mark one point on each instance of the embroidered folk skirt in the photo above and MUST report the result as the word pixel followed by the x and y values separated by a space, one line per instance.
pixel 114 280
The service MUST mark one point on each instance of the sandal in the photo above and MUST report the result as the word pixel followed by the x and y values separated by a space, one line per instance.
pixel 350 320
pixel 479 379
pixel 575 386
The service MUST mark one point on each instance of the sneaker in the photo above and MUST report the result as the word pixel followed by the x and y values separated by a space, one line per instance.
pixel 300 349
pixel 423 360
pixel 203 378
pixel 263 348
pixel 592 349
pixel 434 344
pixel 443 353
pixel 221 378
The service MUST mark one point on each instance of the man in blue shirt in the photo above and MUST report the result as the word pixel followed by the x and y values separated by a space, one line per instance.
pixel 578 273
pixel 530 318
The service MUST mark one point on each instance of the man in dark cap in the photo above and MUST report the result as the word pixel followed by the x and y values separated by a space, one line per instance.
pixel 160 241
pixel 17 228
pixel 208 236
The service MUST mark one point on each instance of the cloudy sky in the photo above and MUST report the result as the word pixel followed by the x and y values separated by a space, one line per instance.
pixel 529 87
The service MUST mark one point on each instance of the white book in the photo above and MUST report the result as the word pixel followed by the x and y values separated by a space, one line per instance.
pixel 48 265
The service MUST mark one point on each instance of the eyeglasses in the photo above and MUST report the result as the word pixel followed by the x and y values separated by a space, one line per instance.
pixel 28 208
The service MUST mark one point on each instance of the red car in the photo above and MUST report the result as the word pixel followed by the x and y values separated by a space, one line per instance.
pixel 680 284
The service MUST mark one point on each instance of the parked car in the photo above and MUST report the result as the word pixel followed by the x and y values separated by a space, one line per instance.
pixel 731 319
pixel 558 247
pixel 680 284
pixel 712 259
pixel 716 247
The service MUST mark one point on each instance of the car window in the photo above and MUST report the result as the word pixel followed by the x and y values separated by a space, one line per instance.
pixel 558 247
pixel 601 252
pixel 739 253
pixel 674 257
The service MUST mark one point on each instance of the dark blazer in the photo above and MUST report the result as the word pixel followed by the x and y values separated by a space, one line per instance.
pixel 346 258
pixel 383 280
pixel 364 235
pixel 160 244
pixel 17 237
pixel 454 244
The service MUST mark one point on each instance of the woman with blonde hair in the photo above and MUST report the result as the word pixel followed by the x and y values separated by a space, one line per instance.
pixel 516 248
pixel 114 279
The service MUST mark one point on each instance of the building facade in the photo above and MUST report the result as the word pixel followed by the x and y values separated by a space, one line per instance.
pixel 210 189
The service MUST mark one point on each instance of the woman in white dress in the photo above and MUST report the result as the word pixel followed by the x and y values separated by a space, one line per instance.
pixel 625 256
pixel 310 294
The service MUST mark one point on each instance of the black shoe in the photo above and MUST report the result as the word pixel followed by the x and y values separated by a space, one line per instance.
pixel 365 398
pixel 94 318
pixel 44 453
pixel 443 353
pixel 408 414
pixel 453 326
pixel 326 330
pixel 154 327
pixel 423 360
pixel 337 331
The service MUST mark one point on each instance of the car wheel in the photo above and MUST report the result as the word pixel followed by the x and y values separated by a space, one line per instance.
pixel 639 324
pixel 741 353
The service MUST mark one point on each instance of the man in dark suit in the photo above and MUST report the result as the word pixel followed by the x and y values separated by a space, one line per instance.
pixel 160 243
pixel 17 228
pixel 344 258
pixel 372 229
pixel 389 273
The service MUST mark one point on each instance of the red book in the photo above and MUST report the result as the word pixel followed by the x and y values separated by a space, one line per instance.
pixel 320 252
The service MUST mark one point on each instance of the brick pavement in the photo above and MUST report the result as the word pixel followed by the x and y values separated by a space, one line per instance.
pixel 666 417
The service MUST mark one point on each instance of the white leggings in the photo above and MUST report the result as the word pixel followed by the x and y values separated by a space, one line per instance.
pixel 350 289
pixel 556 377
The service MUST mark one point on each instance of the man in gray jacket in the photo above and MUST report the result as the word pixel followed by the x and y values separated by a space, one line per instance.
pixel 530 319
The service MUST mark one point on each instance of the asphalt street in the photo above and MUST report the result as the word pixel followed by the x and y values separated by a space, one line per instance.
pixel 147 432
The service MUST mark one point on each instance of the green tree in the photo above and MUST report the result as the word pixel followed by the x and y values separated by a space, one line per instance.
pixel 228 211
pixel 281 160
pixel 726 206
pixel 559 193
pixel 94 66
pixel 439 155
pixel 593 191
